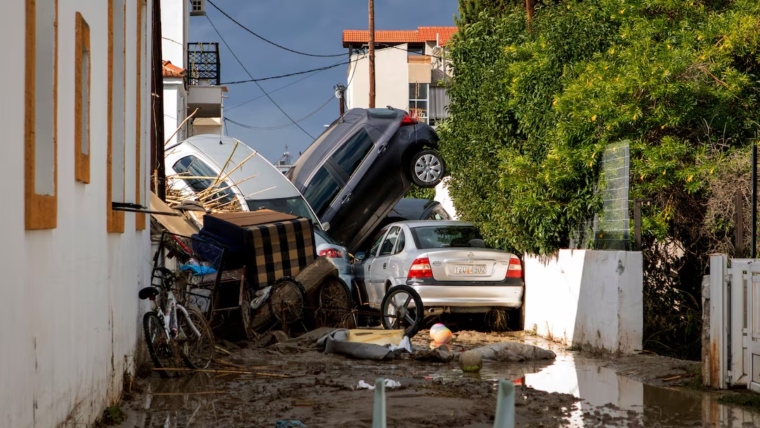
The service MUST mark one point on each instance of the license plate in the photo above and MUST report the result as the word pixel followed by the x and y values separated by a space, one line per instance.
pixel 469 269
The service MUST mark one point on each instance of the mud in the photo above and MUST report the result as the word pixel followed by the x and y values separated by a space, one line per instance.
pixel 320 390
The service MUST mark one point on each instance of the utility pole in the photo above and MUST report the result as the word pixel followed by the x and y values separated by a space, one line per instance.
pixel 340 94
pixel 371 53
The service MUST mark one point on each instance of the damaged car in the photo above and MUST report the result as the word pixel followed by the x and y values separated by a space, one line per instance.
pixel 356 171
pixel 447 263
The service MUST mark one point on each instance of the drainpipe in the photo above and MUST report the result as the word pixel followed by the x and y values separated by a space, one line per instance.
pixel 157 165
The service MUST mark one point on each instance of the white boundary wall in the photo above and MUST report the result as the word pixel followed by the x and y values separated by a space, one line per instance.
pixel 591 299
pixel 70 319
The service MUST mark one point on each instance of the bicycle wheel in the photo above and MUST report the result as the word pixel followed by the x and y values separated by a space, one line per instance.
pixel 287 300
pixel 197 352
pixel 335 305
pixel 397 310
pixel 159 344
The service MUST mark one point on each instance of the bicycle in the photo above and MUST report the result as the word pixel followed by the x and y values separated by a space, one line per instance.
pixel 175 335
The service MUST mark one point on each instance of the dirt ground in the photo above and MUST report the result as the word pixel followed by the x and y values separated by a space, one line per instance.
pixel 256 387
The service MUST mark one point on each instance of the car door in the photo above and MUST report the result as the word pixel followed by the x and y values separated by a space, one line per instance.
pixel 397 268
pixel 363 270
pixel 380 273
pixel 345 217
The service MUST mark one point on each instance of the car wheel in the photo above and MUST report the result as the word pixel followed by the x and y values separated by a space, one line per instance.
pixel 427 168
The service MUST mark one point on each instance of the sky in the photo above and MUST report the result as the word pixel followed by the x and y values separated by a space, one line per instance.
pixel 312 26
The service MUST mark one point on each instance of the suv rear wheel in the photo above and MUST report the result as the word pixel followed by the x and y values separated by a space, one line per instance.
pixel 427 168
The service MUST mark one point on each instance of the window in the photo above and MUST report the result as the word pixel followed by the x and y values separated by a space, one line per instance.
pixel 321 191
pixel 40 145
pixel 296 206
pixel 115 158
pixel 82 101
pixel 400 243
pixel 203 178
pixel 378 240
pixel 418 101
pixel 428 237
pixel 140 85
pixel 390 241
pixel 353 152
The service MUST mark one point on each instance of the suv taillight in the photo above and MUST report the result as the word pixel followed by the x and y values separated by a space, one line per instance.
pixel 515 268
pixel 408 120
pixel 332 253
pixel 420 269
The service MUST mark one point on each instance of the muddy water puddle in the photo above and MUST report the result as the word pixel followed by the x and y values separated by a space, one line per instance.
pixel 606 399
pixel 611 400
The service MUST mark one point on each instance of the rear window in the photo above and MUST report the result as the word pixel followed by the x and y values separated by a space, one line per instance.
pixel 427 237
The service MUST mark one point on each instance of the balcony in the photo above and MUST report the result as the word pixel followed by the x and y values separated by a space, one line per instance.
pixel 203 78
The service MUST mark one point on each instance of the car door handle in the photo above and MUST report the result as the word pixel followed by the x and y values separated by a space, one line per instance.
pixel 346 198
pixel 384 265
pixel 381 150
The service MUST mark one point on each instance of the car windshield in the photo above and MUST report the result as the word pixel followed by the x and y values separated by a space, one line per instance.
pixel 295 206
pixel 427 237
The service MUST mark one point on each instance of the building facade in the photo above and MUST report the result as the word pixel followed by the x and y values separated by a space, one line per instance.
pixel 191 75
pixel 411 70
pixel 77 123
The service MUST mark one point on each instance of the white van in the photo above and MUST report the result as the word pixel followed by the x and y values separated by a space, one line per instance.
pixel 249 180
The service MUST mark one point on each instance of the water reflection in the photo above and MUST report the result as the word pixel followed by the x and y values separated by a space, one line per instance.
pixel 608 399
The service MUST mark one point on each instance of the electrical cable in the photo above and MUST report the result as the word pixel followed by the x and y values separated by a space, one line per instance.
pixel 278 89
pixel 260 79
pixel 287 125
pixel 313 70
pixel 251 76
pixel 267 40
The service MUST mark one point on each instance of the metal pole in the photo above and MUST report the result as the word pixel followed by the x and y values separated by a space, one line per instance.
pixel 754 201
pixel 739 225
pixel 637 225
pixel 157 107
pixel 371 53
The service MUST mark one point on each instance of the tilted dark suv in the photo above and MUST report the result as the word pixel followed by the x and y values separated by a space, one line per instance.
pixel 362 165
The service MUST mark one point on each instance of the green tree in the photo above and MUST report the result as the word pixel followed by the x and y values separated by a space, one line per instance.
pixel 533 111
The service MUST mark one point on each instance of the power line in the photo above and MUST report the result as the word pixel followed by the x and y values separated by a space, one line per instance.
pixel 278 89
pixel 327 67
pixel 251 76
pixel 287 125
pixel 267 40
pixel 281 76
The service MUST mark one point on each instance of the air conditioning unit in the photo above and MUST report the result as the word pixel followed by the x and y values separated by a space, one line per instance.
pixel 198 8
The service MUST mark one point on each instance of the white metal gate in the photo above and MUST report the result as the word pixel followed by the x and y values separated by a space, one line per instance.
pixel 752 320
pixel 732 357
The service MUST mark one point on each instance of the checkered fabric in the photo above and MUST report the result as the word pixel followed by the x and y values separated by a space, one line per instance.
pixel 280 249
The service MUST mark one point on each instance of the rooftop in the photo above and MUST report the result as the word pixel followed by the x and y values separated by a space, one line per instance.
pixel 420 35
pixel 171 70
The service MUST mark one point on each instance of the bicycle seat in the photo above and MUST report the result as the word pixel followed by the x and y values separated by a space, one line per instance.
pixel 148 293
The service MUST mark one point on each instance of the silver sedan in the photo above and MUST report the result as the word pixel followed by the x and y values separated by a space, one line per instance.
pixel 446 262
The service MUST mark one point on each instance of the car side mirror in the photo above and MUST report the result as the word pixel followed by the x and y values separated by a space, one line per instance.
pixel 326 226
pixel 361 255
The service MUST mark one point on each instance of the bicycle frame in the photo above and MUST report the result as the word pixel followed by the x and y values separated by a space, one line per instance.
pixel 167 313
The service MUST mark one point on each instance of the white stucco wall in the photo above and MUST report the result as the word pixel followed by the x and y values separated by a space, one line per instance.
pixel 174 31
pixel 175 108
pixel 586 298
pixel 69 323
pixel 391 79
pixel 442 196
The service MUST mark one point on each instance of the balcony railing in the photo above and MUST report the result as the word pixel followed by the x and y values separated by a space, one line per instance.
pixel 203 66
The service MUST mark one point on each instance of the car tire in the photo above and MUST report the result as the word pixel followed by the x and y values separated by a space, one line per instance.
pixel 426 168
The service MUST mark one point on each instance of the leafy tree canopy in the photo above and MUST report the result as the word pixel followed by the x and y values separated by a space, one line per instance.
pixel 532 111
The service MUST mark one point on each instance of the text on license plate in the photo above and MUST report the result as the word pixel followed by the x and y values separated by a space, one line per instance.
pixel 469 269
